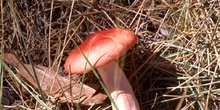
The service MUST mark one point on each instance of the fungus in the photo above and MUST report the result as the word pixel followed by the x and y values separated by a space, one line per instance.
pixel 102 49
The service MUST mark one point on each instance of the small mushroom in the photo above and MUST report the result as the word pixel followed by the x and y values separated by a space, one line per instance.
pixel 102 49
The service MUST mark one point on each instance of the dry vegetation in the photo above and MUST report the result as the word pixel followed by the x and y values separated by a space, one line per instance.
pixel 174 65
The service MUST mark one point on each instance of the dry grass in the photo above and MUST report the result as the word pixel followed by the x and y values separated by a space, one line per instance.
pixel 174 65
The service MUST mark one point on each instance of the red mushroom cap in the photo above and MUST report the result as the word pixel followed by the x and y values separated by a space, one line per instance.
pixel 100 48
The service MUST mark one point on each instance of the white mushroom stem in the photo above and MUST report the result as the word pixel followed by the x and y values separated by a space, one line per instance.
pixel 119 86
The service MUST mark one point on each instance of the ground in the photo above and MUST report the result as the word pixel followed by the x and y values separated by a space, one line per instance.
pixel 174 64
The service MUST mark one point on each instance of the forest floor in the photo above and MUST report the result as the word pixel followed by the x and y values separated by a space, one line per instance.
pixel 174 64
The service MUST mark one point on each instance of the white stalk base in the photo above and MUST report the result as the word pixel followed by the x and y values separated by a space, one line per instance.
pixel 119 86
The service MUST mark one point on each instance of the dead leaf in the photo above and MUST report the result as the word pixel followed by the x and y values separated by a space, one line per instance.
pixel 55 84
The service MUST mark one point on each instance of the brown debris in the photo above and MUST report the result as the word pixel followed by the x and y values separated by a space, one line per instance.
pixel 55 84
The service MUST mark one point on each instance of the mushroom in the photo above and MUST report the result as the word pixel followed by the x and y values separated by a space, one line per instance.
pixel 102 49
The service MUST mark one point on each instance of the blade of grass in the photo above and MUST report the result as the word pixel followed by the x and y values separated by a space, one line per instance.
pixel 194 92
pixel 194 75
pixel 29 58
pixel 190 95
pixel 98 77
pixel 185 78
pixel 2 49
pixel 23 85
